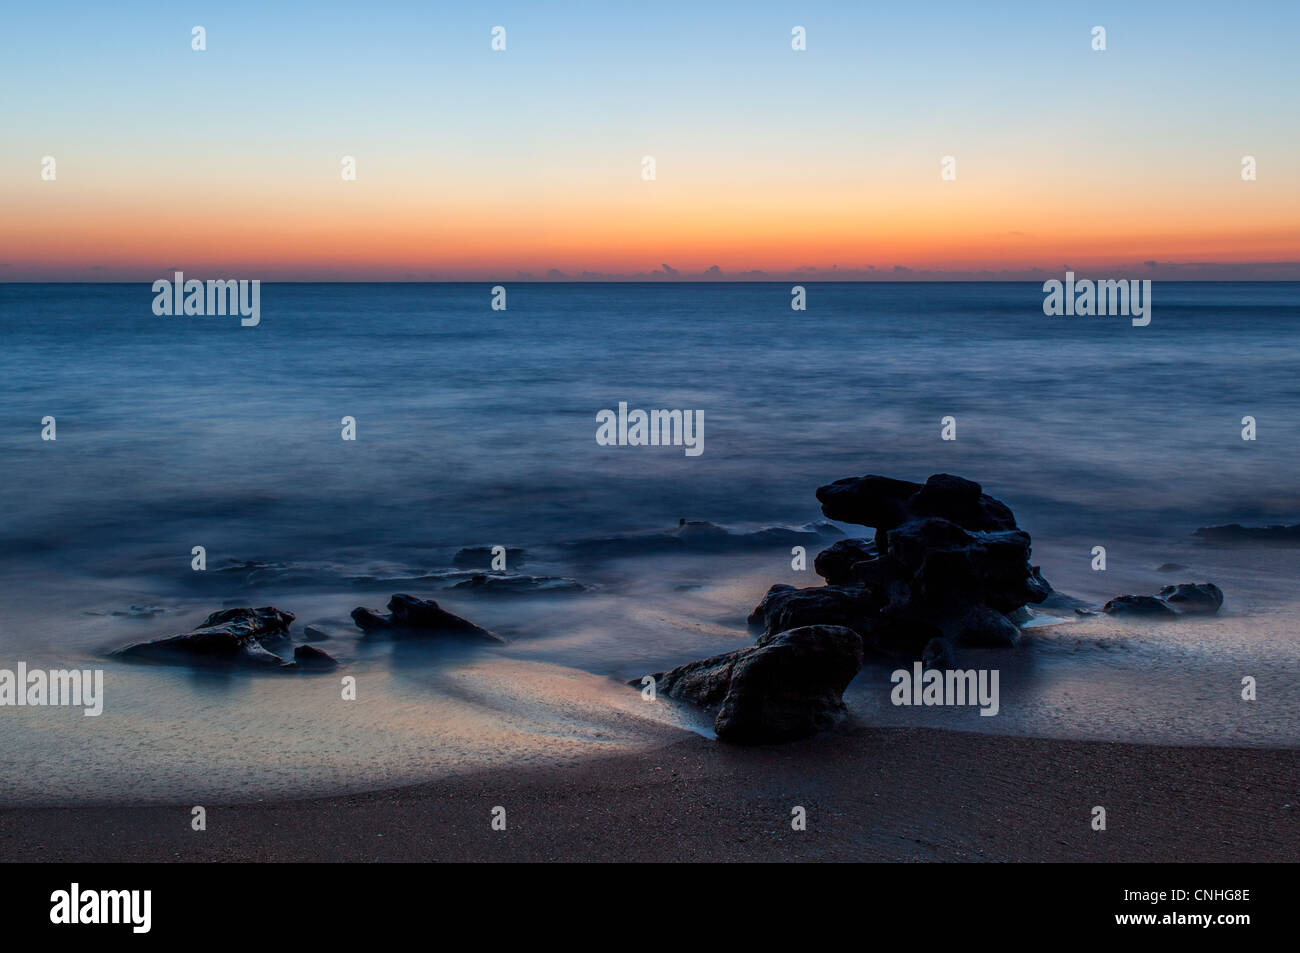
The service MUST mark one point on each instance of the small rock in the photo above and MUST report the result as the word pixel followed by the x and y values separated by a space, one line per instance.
pixel 409 616
pixel 308 656
pixel 1138 605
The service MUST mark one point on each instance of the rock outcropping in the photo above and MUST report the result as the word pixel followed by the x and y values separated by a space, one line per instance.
pixel 947 562
pixel 947 567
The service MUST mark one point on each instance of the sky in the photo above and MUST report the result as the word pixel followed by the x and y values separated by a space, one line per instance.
pixel 475 164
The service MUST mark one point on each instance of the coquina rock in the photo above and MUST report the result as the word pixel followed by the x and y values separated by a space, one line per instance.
pixel 947 561
pixel 787 686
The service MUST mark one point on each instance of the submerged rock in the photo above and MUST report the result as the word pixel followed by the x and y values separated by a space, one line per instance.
pixel 230 637
pixel 409 616
pixel 495 584
pixel 692 536
pixel 1236 533
pixel 790 685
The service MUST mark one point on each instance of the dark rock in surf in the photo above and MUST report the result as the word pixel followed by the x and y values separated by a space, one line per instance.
pixel 230 637
pixel 788 686
pixel 1138 605
pixel 1186 598
pixel 310 657
pixel 1193 597
pixel 411 617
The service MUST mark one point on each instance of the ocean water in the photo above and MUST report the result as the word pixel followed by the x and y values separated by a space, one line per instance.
pixel 477 427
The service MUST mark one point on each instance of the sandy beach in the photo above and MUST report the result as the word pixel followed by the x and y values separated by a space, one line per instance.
pixel 897 794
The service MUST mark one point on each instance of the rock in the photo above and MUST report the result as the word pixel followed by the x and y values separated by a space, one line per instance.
pixel 231 637
pixel 948 561
pixel 1236 533
pixel 835 563
pixel 884 503
pixel 310 657
pixel 480 557
pixel 788 686
pixel 1193 597
pixel 785 607
pixel 313 634
pixel 409 616
pixel 1186 598
pixel 495 584
pixel 982 626
pixel 1138 605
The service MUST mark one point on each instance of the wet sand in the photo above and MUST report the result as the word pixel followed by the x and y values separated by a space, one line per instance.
pixel 871 794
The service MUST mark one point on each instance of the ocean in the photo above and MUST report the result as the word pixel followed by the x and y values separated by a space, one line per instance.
pixel 477 427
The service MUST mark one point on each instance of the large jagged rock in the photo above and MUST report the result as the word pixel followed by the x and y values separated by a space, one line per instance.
pixel 948 562
pixel 408 616
pixel 231 637
pixel 787 686
pixel 1186 598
